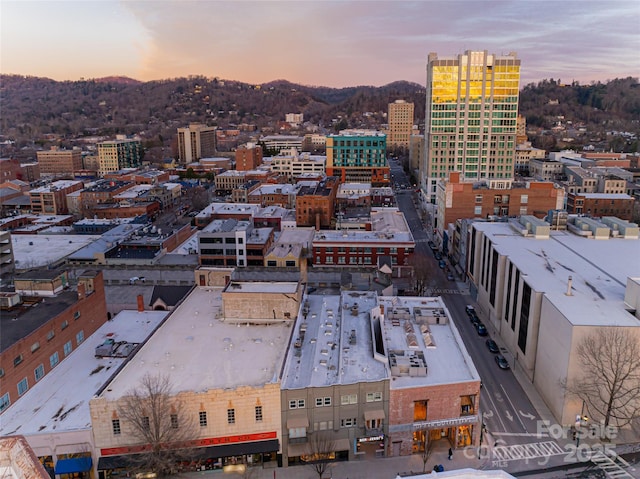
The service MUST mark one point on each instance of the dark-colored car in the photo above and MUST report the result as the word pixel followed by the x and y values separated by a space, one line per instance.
pixel 481 329
pixel 502 362
pixel 438 255
pixel 474 320
pixel 470 310
pixel 432 245
pixel 442 264
pixel 450 277
pixel 492 346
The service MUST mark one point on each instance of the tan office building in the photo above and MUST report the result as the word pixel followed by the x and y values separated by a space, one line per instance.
pixel 59 162
pixel 196 141
pixel 400 119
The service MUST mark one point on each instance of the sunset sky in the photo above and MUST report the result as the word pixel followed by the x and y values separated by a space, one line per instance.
pixel 329 43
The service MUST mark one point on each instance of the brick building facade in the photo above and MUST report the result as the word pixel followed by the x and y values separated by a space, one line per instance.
pixel 47 333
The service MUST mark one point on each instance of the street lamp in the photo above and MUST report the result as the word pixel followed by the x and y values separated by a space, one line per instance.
pixel 580 419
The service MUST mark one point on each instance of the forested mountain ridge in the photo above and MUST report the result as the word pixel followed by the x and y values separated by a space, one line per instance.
pixel 31 107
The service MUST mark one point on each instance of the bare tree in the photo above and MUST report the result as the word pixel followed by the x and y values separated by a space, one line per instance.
pixel 422 273
pixel 609 383
pixel 321 452
pixel 158 420
pixel 425 454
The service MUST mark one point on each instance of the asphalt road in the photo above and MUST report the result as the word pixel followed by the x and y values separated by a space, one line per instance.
pixel 513 424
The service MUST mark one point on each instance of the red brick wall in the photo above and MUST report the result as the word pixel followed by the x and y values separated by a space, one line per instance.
pixel 443 403
pixel 93 314
pixel 541 197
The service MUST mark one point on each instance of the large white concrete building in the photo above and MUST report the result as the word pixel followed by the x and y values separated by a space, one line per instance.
pixel 543 291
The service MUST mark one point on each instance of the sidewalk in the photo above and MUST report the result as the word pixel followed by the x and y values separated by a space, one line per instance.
pixel 378 468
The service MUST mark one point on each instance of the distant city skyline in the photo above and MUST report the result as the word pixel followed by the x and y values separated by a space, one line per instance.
pixel 322 43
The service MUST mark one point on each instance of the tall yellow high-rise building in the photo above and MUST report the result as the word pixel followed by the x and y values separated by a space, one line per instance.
pixel 470 119
pixel 400 119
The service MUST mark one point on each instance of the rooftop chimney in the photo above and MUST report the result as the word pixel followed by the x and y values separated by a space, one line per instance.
pixel 568 293
pixel 140 303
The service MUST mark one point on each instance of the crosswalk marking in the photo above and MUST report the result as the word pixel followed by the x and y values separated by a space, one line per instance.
pixel 532 450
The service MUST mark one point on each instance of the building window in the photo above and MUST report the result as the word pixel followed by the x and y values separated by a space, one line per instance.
pixel 39 372
pixel 1 372
pixel 524 199
pixel 64 325
pixel 296 403
pixel 17 360
pixel 54 360
pixel 477 210
pixel 297 432
pixel 420 411
pixel 466 405
pixel 79 337
pixel 325 401
pixel 146 425
pixel 478 198
pixel 374 397
pixel 174 421
pixel 348 422
pixel 115 427
pixel 231 416
pixel 23 386
pixel 76 315
pixel 348 399
pixel 5 402
pixel 67 348
pixel 50 335
pixel 35 346
pixel 258 413
pixel 202 416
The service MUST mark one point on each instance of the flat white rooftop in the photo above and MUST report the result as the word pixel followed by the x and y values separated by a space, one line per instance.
pixel 599 271
pixel 262 287
pixel 194 339
pixel 445 356
pixel 34 251
pixel 334 344
pixel 55 186
pixel 59 402
pixel 336 347
pixel 228 208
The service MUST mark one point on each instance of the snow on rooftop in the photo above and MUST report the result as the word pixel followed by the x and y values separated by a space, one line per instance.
pixel 34 251
pixel 333 344
pixel 599 270
pixel 60 401
pixel 195 339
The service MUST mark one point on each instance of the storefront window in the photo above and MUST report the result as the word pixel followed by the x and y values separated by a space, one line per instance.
pixel 465 435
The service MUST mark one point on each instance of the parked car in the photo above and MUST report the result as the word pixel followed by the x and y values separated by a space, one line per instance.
pixel 442 264
pixel 492 346
pixel 432 245
pixel 474 320
pixel 470 310
pixel 450 277
pixel 502 362
pixel 438 255
pixel 481 329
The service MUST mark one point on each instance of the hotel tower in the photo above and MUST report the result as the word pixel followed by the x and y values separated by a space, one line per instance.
pixel 470 119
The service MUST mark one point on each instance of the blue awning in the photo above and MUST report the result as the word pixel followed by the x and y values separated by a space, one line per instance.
pixel 77 464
